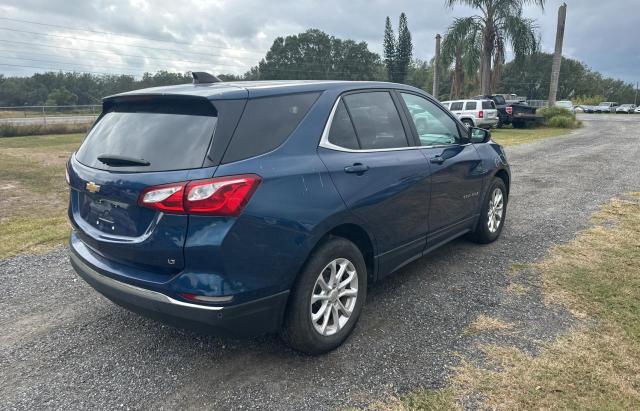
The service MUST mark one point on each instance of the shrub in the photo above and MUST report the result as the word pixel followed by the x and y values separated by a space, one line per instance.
pixel 11 130
pixel 550 112
pixel 562 122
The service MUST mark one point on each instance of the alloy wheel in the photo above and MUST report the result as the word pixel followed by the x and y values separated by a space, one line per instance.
pixel 334 296
pixel 496 210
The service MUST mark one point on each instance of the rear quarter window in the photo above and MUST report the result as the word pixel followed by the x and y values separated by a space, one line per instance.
pixel 456 106
pixel 266 123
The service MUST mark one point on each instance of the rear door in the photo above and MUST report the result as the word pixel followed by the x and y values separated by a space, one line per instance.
pixel 380 173
pixel 138 143
pixel 456 169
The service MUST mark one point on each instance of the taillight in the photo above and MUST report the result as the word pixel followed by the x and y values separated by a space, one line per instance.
pixel 509 110
pixel 167 197
pixel 480 114
pixel 222 196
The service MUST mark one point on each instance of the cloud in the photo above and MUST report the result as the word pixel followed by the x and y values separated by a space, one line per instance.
pixel 231 36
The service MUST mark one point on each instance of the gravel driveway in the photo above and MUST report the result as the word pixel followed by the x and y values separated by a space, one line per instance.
pixel 64 346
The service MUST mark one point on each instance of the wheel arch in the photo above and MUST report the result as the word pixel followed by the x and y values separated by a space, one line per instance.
pixel 357 235
pixel 504 176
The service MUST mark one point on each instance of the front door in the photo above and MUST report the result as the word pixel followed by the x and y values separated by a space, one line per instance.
pixel 456 169
pixel 381 175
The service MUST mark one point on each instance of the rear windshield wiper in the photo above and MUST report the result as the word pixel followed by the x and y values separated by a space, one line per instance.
pixel 121 161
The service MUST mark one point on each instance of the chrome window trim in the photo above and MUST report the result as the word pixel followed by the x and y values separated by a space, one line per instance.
pixel 325 143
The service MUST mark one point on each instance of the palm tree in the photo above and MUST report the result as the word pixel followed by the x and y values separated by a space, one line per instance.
pixel 461 47
pixel 501 22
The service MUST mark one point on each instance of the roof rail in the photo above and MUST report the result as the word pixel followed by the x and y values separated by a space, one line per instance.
pixel 202 77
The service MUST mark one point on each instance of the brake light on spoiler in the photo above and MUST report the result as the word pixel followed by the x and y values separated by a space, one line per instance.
pixel 220 196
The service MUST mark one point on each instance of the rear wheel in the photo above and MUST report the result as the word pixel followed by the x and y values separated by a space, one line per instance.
pixel 467 122
pixel 493 213
pixel 327 299
pixel 519 124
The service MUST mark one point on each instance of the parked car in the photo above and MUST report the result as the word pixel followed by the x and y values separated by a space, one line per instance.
pixel 637 110
pixel 606 107
pixel 474 113
pixel 517 113
pixel 579 109
pixel 626 109
pixel 253 207
pixel 566 104
pixel 589 109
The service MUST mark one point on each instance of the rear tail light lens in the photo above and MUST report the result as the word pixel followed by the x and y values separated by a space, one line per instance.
pixel 480 114
pixel 509 110
pixel 167 198
pixel 222 196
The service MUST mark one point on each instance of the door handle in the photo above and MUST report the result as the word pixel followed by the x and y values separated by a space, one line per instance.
pixel 357 168
pixel 437 160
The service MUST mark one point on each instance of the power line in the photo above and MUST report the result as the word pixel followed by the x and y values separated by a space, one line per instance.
pixel 77 71
pixel 113 43
pixel 123 35
pixel 103 52
pixel 141 57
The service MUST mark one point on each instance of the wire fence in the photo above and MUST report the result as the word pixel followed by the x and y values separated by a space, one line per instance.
pixel 46 115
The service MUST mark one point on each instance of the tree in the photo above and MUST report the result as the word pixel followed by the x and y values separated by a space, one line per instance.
pixel 404 51
pixel 61 97
pixel 397 52
pixel 389 45
pixel 501 22
pixel 461 47
pixel 316 55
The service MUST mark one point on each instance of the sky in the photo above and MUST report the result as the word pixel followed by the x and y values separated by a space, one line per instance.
pixel 224 36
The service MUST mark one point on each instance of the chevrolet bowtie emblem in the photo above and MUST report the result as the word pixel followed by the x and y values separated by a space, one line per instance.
pixel 92 187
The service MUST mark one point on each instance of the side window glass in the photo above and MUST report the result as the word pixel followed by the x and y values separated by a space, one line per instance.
pixel 456 106
pixel 470 105
pixel 376 120
pixel 433 124
pixel 342 133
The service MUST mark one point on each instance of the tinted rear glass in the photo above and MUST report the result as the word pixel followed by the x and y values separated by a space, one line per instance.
pixel 266 123
pixel 167 141
pixel 342 133
pixel 376 120
pixel 488 105
pixel 470 105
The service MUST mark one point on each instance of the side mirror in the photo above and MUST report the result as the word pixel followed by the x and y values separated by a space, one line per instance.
pixel 479 135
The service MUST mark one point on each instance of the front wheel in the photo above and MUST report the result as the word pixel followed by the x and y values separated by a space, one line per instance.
pixel 327 299
pixel 493 213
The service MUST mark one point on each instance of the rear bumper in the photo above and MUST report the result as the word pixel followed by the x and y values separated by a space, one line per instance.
pixel 487 122
pixel 248 319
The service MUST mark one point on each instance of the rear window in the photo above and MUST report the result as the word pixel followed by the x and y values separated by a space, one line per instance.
pixel 500 100
pixel 456 106
pixel 488 105
pixel 470 105
pixel 266 123
pixel 163 134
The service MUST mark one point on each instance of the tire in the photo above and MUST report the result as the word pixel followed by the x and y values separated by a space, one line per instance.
pixel 518 124
pixel 485 232
pixel 300 331
pixel 467 123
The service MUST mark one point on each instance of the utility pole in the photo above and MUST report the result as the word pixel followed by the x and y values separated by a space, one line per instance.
pixel 557 56
pixel 436 69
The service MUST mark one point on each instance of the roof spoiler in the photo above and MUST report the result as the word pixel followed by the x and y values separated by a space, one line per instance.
pixel 202 77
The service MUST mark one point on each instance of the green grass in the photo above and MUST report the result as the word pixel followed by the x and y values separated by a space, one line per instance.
pixel 597 364
pixel 33 192
pixel 511 136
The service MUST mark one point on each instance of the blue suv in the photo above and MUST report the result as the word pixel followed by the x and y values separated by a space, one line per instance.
pixel 254 207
